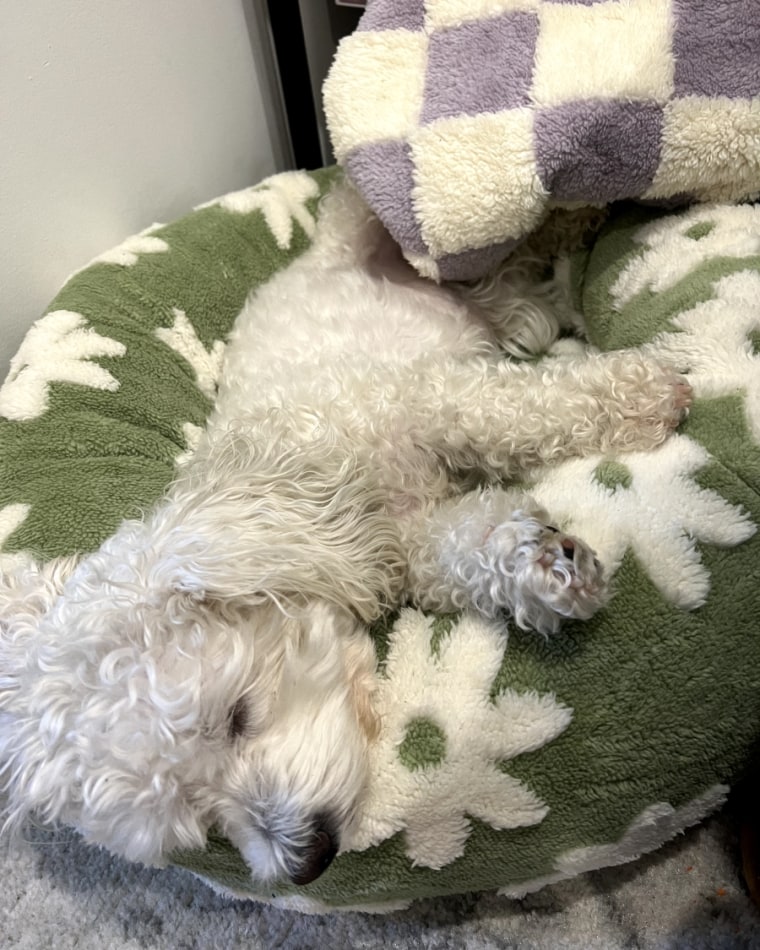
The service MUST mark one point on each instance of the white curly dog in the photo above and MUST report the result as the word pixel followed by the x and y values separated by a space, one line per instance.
pixel 209 665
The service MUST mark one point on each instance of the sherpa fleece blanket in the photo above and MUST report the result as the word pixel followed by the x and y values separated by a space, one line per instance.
pixel 505 760
pixel 463 122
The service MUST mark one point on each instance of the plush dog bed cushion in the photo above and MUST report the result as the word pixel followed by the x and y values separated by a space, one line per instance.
pixel 462 122
pixel 505 761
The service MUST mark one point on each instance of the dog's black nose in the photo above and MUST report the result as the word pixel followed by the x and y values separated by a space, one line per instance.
pixel 317 858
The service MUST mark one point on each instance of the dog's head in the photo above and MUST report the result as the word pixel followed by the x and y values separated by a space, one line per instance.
pixel 142 708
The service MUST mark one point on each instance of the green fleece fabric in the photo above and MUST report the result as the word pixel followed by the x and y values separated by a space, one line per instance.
pixel 505 761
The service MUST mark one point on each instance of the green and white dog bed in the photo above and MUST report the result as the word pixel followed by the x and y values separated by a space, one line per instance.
pixel 506 761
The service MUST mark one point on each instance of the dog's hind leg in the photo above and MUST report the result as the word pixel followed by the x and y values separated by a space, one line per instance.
pixel 497 551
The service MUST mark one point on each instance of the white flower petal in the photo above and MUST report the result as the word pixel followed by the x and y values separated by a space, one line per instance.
pixel 504 802
pixel 281 198
pixel 183 339
pixel 434 844
pixel 522 722
pixel 11 518
pixel 59 348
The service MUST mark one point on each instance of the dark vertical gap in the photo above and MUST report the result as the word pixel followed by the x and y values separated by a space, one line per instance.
pixel 290 49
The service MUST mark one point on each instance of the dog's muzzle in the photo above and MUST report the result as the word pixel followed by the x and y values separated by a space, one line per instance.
pixel 317 854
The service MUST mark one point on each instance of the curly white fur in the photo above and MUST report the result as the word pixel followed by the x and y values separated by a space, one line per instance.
pixel 208 665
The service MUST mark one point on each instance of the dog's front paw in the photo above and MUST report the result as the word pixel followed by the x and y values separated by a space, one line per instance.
pixel 649 400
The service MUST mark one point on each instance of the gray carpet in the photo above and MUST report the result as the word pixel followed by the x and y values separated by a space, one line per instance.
pixel 57 893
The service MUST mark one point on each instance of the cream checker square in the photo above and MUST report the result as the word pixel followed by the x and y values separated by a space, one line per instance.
pixel 499 196
pixel 710 149
pixel 442 14
pixel 606 50
pixel 385 72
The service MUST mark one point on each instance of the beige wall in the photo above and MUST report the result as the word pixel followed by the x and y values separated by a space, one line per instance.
pixel 115 114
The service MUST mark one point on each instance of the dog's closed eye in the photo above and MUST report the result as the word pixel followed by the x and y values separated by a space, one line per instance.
pixel 240 718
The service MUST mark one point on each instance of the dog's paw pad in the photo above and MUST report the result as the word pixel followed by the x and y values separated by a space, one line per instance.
pixel 683 395
pixel 675 401
pixel 668 393
pixel 560 577
pixel 573 577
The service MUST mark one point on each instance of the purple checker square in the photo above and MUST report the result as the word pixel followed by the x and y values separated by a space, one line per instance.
pixel 482 66
pixel 383 173
pixel 474 263
pixel 598 150
pixel 393 15
pixel 716 46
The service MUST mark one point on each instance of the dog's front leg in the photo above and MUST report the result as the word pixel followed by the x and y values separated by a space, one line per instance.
pixel 506 417
pixel 497 551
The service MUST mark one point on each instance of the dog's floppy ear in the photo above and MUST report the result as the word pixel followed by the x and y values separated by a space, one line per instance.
pixel 260 519
pixel 281 555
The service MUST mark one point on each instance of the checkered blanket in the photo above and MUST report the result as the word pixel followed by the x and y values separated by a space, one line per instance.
pixel 463 121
